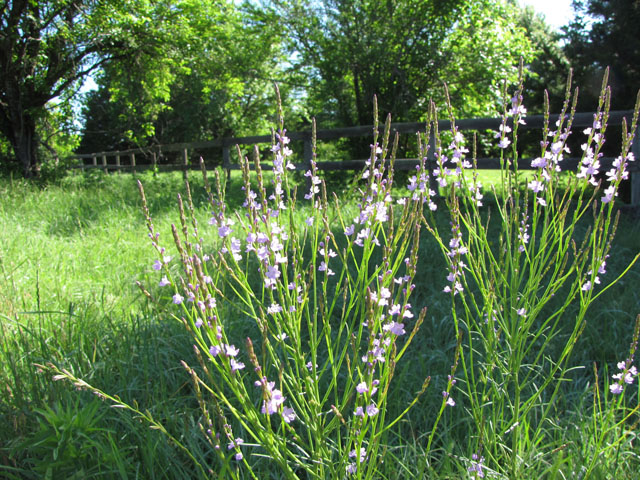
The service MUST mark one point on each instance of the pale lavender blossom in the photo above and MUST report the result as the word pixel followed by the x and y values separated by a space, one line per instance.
pixel 395 328
pixel 450 401
pixel 288 414
pixel 536 186
pixel 235 365
pixel 626 375
pixel 362 388
pixel 609 193
pixel 476 466
pixel 372 410
pixel 274 308
pixel 231 350
pixel 616 388
pixel 224 230
pixel 178 299
pixel 363 454
pixel 235 443
pixel 164 282
pixel 272 274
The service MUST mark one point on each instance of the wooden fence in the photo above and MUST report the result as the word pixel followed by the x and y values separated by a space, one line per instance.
pixel 190 153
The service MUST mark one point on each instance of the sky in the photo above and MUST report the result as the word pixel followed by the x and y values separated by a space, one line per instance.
pixel 556 12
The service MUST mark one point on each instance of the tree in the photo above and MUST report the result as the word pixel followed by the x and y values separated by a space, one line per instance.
pixel 47 47
pixel 224 86
pixel 548 69
pixel 403 51
pixel 604 34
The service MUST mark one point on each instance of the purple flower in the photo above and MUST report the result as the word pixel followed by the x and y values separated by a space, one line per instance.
pixel 178 299
pixel 616 388
pixel 372 410
pixel 394 328
pixel 274 308
pixel 272 274
pixel 536 186
pixel 288 415
pixel 626 375
pixel 224 230
pixel 476 466
pixel 504 142
pixel 231 350
pixel 235 443
pixel 157 265
pixel 609 193
pixel 235 365
pixel 363 454
pixel 164 282
pixel 362 388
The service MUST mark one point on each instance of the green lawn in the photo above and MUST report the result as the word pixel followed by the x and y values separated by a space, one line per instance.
pixel 70 255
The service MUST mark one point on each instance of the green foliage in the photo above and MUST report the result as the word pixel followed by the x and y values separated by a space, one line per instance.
pixel 76 242
pixel 220 66
pixel 548 70
pixel 402 51
pixel 603 34
pixel 69 442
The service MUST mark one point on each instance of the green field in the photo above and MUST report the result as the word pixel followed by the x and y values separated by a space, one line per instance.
pixel 70 255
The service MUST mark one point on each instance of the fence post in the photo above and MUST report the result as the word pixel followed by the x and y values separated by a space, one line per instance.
pixel 118 163
pixel 226 159
pixel 133 163
pixel 154 160
pixel 94 161
pixel 104 163
pixel 635 174
pixel 185 157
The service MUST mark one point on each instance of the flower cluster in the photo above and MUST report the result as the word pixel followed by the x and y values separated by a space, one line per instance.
pixel 626 375
pixel 477 466
pixel 273 401
pixel 457 250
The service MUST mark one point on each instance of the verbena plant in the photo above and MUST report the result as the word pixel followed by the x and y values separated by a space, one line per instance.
pixel 505 283
pixel 300 309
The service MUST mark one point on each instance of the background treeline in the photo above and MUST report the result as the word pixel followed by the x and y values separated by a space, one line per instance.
pixel 189 70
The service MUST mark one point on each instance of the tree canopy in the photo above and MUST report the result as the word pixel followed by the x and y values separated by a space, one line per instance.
pixel 182 70
pixel 223 86
pixel 48 47
pixel 604 33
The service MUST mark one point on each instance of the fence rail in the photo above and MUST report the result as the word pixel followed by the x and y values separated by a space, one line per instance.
pixel 126 159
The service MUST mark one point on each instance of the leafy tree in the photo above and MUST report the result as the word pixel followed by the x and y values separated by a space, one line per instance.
pixel 401 50
pixel 47 47
pixel 224 86
pixel 548 69
pixel 604 34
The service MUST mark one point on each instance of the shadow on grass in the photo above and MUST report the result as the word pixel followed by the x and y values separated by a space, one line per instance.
pixel 51 430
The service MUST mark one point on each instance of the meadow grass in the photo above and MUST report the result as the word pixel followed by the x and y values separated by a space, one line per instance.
pixel 70 255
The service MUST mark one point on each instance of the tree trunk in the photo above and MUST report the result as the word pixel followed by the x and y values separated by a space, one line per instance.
pixel 24 140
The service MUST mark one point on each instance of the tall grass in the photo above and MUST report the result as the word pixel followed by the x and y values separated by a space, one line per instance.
pixel 71 254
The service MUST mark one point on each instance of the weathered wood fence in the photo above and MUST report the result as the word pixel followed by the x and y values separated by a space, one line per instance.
pixel 189 153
